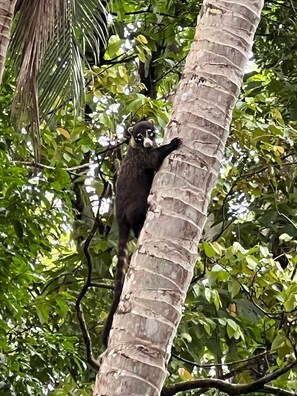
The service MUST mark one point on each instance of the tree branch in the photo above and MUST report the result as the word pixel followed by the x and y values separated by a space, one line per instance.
pixel 233 389
pixel 271 390
pixel 88 283
pixel 219 364
pixel 83 292
pixel 73 168
pixel 170 70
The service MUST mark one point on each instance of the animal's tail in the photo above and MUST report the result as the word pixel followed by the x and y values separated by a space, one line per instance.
pixel 119 280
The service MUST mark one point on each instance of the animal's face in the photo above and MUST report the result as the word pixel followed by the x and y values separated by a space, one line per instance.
pixel 143 135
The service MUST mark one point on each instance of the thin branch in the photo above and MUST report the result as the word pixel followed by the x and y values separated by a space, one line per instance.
pixel 88 282
pixel 292 5
pixel 209 365
pixel 146 11
pixel 75 281
pixel 245 289
pixel 43 166
pixel 101 286
pixel 272 376
pixel 243 176
pixel 73 168
pixel 233 389
pixel 170 70
pixel 126 58
pixel 230 374
pixel 271 390
pixel 223 210
pixel 110 148
pixel 200 276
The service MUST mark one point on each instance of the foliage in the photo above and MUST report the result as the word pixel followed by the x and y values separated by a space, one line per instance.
pixel 241 306
pixel 50 42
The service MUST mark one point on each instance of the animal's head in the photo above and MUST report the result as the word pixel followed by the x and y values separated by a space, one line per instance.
pixel 143 134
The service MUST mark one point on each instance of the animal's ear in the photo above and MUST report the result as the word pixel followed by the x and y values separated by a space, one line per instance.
pixel 130 130
pixel 151 121
pixel 132 142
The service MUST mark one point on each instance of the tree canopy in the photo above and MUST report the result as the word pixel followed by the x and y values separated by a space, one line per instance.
pixel 57 230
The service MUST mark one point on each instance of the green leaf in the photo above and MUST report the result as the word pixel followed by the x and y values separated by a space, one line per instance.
pixel 63 178
pixel 42 309
pixel 141 56
pixel 217 268
pixel 209 250
pixel 217 248
pixel 234 288
pixel 278 342
pixel 208 294
pixel 251 263
pixel 114 44
pixel 216 299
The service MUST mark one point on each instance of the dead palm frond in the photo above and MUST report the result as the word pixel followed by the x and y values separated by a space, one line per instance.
pixel 48 51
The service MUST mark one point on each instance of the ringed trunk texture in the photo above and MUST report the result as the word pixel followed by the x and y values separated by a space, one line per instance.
pixel 161 270
pixel 6 15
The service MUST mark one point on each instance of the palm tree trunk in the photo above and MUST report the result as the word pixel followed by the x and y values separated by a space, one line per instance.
pixel 6 14
pixel 161 270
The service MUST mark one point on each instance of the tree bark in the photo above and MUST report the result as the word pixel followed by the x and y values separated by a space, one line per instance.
pixel 161 270
pixel 6 14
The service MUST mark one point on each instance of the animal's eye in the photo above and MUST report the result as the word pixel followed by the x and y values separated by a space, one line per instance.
pixel 151 134
pixel 139 137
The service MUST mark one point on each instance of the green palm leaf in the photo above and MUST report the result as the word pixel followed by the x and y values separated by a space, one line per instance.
pixel 48 51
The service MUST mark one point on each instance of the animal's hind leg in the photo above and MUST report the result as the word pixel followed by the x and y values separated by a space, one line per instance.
pixel 137 227
pixel 137 217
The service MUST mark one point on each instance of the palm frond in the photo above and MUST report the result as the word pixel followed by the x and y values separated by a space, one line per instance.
pixel 48 51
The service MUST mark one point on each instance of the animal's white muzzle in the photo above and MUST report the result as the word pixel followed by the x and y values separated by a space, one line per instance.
pixel 147 143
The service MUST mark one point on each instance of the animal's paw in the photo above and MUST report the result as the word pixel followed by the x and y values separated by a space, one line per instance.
pixel 176 142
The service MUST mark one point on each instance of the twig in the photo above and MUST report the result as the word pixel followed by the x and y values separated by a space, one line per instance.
pixel 73 168
pixel 209 365
pixel 292 5
pixel 170 70
pixel 243 176
pixel 233 389
pixel 271 315
pixel 88 282
pixel 101 286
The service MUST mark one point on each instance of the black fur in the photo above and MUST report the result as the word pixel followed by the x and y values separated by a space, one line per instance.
pixel 132 190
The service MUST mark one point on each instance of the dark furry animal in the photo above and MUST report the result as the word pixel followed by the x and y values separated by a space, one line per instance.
pixel 135 179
